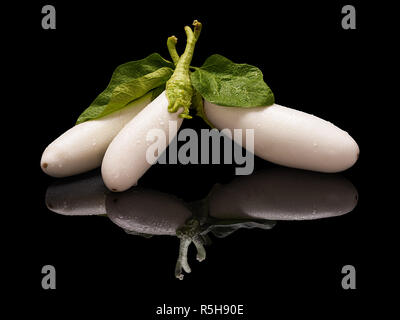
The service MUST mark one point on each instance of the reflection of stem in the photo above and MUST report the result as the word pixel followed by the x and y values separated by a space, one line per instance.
pixel 182 262
pixel 188 233
pixel 201 252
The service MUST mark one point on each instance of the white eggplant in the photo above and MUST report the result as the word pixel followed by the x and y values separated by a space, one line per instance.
pixel 125 160
pixel 289 137
pixel 82 147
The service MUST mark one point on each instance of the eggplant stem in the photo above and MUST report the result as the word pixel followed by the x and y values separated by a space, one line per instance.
pixel 171 44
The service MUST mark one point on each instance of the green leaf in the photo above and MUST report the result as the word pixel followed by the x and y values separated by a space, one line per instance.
pixel 129 91
pixel 129 82
pixel 223 82
pixel 157 91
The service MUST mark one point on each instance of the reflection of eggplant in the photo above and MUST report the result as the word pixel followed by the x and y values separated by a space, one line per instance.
pixel 255 201
pixel 283 194
pixel 147 211
pixel 81 195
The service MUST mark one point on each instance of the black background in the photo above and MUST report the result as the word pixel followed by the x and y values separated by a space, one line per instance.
pixel 309 62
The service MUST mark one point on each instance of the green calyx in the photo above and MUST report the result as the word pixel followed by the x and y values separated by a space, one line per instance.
pixel 179 88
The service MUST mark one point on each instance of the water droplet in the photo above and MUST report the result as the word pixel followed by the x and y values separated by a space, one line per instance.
pixel 315 144
pixel 138 141
pixel 149 141
pixel 161 123
pixel 94 144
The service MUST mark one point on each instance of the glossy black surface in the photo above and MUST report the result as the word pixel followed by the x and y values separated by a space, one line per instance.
pixel 294 268
pixel 247 202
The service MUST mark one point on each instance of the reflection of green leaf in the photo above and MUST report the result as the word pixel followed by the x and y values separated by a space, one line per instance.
pixel 129 91
pixel 223 228
pixel 129 81
pixel 226 83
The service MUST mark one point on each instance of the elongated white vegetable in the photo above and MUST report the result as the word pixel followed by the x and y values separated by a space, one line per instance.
pixel 82 147
pixel 125 159
pixel 289 137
